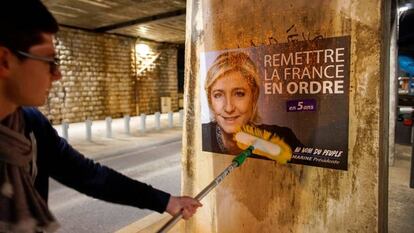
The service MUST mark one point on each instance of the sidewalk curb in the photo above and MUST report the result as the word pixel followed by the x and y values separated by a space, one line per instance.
pixel 97 156
pixel 151 223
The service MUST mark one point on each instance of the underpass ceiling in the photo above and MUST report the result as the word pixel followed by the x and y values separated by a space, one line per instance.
pixel 158 20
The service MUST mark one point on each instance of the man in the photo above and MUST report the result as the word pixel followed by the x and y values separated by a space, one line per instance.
pixel 30 149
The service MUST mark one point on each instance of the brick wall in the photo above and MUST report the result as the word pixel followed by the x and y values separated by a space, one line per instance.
pixel 100 79
pixel 157 79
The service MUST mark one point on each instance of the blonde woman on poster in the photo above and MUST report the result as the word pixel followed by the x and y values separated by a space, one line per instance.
pixel 232 89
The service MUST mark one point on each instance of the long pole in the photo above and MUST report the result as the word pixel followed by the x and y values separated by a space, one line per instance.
pixel 236 163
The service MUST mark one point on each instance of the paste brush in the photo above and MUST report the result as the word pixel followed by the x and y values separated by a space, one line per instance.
pixel 265 143
pixel 252 141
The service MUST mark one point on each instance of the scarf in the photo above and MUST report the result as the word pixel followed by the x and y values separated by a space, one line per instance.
pixel 22 209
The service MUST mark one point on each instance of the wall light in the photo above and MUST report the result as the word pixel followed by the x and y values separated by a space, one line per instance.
pixel 402 9
pixel 405 7
pixel 142 49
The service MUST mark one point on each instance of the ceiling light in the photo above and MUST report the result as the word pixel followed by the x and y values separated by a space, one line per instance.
pixel 142 49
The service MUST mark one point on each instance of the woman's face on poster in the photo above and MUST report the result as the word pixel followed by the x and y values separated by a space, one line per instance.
pixel 232 101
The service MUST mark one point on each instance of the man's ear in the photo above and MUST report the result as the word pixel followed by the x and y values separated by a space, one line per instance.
pixel 5 56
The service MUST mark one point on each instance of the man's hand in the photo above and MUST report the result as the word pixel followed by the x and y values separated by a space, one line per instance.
pixel 187 205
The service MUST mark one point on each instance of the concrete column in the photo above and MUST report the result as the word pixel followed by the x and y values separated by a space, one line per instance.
pixel 157 119
pixel 143 122
pixel 65 129
pixel 263 196
pixel 127 119
pixel 181 117
pixel 170 119
pixel 393 84
pixel 108 121
pixel 88 125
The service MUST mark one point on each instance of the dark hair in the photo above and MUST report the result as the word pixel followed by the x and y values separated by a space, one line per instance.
pixel 22 22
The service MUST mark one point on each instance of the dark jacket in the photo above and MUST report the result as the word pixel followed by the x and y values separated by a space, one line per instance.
pixel 210 142
pixel 57 159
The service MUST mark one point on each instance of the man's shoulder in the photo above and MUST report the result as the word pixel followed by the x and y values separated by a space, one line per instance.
pixel 32 112
pixel 34 118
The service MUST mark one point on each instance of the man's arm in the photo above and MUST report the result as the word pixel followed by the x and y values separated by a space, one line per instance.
pixel 72 169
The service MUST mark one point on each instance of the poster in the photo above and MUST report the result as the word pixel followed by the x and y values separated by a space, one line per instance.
pixel 297 90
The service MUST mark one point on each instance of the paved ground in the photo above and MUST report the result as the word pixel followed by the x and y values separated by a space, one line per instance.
pixel 401 196
pixel 77 213
pixel 101 146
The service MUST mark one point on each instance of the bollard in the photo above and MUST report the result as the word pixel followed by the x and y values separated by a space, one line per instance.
pixel 181 122
pixel 157 121
pixel 88 124
pixel 143 116
pixel 170 120
pixel 108 127
pixel 65 129
pixel 127 119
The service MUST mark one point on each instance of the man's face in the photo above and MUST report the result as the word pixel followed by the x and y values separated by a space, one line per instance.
pixel 30 80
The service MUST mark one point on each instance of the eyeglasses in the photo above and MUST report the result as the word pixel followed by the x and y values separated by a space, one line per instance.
pixel 53 62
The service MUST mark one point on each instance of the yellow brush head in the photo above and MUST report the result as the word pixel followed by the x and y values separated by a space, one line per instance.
pixel 265 143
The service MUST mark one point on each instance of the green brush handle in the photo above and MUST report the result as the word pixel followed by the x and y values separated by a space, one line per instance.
pixel 243 156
